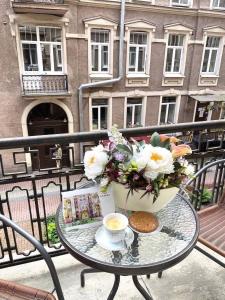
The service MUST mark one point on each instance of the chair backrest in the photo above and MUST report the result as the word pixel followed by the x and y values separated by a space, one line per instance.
pixel 207 185
pixel 9 223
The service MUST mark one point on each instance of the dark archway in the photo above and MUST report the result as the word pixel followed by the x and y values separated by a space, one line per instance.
pixel 44 119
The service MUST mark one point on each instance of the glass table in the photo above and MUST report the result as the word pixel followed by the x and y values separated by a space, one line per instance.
pixel 148 254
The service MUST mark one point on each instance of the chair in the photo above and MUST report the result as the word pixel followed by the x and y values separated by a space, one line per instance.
pixel 14 291
pixel 212 218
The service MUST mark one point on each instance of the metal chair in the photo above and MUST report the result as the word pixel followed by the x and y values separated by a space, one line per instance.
pixel 13 291
pixel 212 224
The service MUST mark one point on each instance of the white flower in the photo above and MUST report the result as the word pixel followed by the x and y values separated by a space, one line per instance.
pixel 155 160
pixel 104 182
pixel 189 170
pixel 95 161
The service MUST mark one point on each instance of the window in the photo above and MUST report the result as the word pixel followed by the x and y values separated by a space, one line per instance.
pixel 134 112
pixel 181 2
pixel 99 114
pixel 218 4
pixel 99 50
pixel 167 113
pixel 175 49
pixel 41 49
pixel 211 55
pixel 137 52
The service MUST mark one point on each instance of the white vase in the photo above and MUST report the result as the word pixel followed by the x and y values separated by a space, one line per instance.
pixel 134 201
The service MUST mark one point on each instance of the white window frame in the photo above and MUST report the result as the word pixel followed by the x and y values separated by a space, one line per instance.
pixel 38 44
pixel 176 110
pixel 189 4
pixel 218 57
pixel 216 7
pixel 104 24
pixel 100 46
pixel 181 69
pixel 109 113
pixel 143 110
pixel 138 46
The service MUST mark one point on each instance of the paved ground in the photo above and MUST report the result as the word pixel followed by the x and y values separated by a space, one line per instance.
pixel 195 278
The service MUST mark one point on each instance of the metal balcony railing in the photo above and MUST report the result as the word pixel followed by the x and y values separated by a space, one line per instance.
pixel 32 197
pixel 40 1
pixel 44 84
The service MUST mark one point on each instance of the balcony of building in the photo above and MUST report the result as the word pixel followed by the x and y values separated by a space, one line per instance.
pixel 49 7
pixel 39 85
pixel 31 198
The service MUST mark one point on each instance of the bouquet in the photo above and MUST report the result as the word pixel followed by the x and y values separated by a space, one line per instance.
pixel 147 165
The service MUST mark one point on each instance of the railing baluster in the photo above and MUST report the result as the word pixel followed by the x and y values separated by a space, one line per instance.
pixel 44 84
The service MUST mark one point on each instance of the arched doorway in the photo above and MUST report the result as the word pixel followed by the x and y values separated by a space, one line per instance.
pixel 43 119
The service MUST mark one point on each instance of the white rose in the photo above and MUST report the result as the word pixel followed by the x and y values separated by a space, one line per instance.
pixel 155 160
pixel 95 162
pixel 189 170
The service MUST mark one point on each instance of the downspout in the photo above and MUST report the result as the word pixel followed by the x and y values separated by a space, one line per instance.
pixel 103 82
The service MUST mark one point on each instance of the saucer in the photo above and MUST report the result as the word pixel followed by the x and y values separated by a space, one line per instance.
pixel 104 241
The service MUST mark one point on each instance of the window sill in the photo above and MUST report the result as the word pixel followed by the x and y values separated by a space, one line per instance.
pixel 100 76
pixel 137 75
pixel 209 76
pixel 174 75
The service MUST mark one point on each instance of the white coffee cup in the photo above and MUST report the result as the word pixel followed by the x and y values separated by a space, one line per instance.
pixel 115 225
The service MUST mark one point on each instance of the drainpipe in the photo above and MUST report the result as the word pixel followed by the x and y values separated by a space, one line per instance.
pixel 103 82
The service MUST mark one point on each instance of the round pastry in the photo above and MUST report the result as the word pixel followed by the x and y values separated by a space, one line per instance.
pixel 143 221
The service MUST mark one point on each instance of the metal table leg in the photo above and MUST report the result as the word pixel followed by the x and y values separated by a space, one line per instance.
pixel 114 288
pixel 145 294
pixel 86 271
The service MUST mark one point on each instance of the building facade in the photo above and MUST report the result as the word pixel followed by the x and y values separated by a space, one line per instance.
pixel 173 70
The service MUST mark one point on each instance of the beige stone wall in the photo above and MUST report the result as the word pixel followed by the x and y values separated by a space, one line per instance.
pixel 152 111
pixel 118 112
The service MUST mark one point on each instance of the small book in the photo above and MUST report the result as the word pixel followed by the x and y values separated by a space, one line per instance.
pixel 86 206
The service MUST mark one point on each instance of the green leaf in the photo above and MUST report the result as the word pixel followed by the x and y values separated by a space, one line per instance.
pixel 124 148
pixel 155 140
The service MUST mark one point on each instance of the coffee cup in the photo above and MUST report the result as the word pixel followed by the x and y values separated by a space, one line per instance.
pixel 115 225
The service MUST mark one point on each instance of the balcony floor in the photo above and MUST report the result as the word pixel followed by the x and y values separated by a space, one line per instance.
pixel 195 278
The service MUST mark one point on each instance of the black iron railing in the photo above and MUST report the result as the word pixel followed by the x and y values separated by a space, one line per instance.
pixel 31 197
pixel 40 1
pixel 44 84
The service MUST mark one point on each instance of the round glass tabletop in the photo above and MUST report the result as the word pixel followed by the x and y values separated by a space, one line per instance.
pixel 148 253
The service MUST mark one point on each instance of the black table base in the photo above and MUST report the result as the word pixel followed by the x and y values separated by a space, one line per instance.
pixel 144 293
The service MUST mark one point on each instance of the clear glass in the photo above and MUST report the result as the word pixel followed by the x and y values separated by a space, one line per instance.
pixel 212 64
pixel 105 60
pixel 176 237
pixel 177 60
pixel 57 55
pixel 219 3
pixel 129 116
pixel 163 114
pixel 28 33
pixel 30 57
pixel 95 118
pixel 94 54
pixel 132 59
pixel 141 59
pixel 205 61
pixel 103 117
pixel 169 60
pixel 176 40
pixel 138 38
pixel 46 57
pixel 137 115
pixel 181 2
pixel 171 113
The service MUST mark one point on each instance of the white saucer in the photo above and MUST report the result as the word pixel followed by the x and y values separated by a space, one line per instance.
pixel 104 241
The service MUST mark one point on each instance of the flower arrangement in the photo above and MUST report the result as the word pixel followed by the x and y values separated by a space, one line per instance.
pixel 149 166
